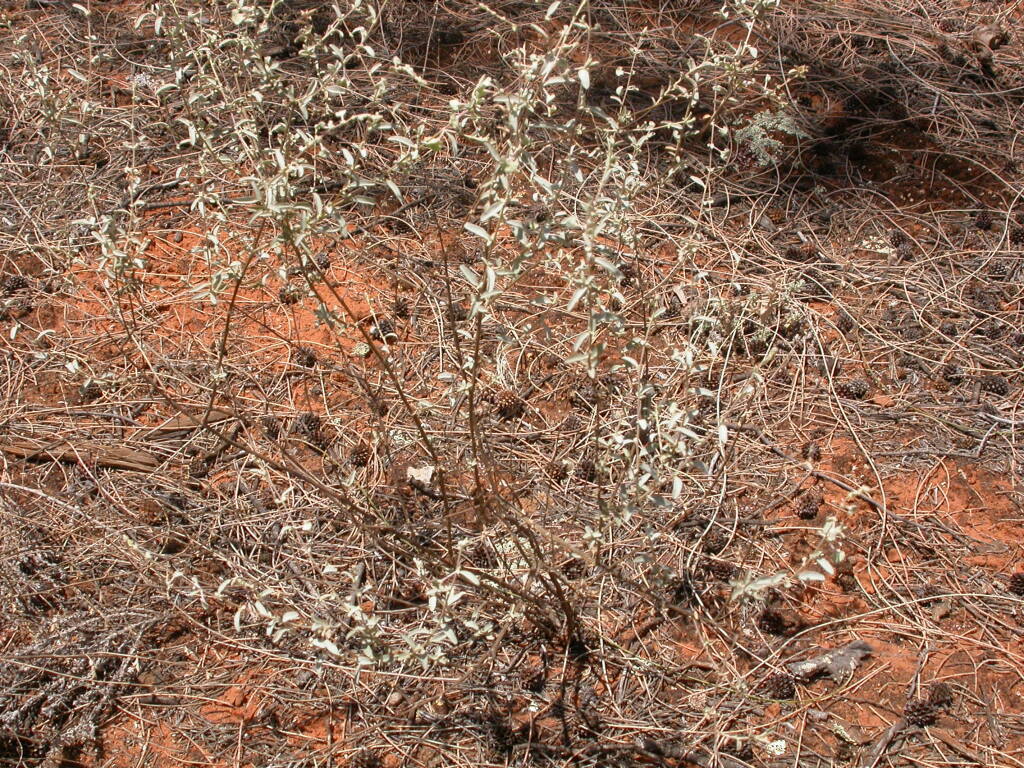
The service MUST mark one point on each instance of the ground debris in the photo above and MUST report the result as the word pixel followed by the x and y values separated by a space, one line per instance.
pixel 838 664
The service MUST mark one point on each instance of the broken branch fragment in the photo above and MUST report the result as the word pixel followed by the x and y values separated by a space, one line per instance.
pixel 87 454
pixel 838 664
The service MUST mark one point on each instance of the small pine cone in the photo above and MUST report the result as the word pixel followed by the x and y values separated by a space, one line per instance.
pixel 990 329
pixel 400 308
pixel 305 357
pixel 845 322
pixel 845 752
pixel 291 293
pixel 817 286
pixel 811 451
pixel 905 252
pixel 673 306
pixel 804 252
pixel 1016 584
pixel 628 272
pixel 940 695
pixel 503 739
pixel 829 366
pixel 755 345
pixel 199 467
pixel 999 270
pixel 739 290
pixel 772 622
pixel 948 25
pixel 90 391
pixel 907 360
pixel 559 470
pixel 707 409
pixel 271 427
pixel 586 470
pixel 809 505
pixel 534 678
pixel 15 283
pixel 573 568
pixel 1017 236
pixel 589 714
pixel 983 220
pixel 482 555
pixel 790 325
pixel 366 758
pixel 854 389
pixel 581 646
pixel 985 300
pixel 898 238
pixel 309 425
pixel 508 405
pixel 778 685
pixel 920 712
pixel 742 750
pixel 949 328
pixel 586 395
pixel 845 577
pixel 383 330
pixel 718 570
pixel 360 455
pixel 714 542
pixel 322 440
pixel 995 385
pixel 910 330
pixel 680 588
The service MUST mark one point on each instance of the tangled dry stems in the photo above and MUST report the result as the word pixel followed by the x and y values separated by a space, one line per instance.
pixel 535 595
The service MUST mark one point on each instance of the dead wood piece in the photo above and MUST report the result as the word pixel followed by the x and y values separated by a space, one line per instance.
pixel 990 36
pixel 958 746
pixel 882 743
pixel 186 422
pixel 85 453
pixel 839 663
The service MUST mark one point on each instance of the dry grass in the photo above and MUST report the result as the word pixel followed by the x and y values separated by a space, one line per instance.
pixel 287 483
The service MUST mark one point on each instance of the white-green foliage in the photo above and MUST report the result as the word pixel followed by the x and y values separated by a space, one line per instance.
pixel 758 135
pixel 565 176
pixel 816 566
